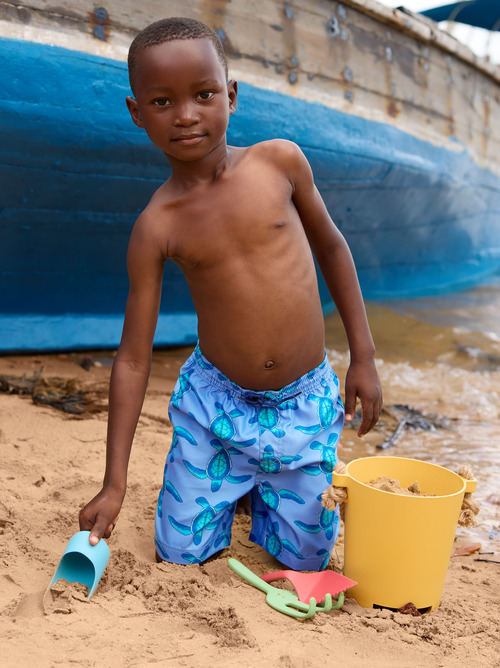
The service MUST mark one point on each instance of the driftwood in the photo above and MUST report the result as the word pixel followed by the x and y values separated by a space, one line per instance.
pixel 405 418
pixel 411 418
pixel 19 384
pixel 64 394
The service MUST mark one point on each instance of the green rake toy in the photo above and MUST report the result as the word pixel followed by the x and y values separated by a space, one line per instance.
pixel 314 590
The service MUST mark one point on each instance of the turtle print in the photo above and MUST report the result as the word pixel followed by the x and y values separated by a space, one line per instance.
pixel 328 457
pixel 202 521
pixel 326 558
pixel 161 552
pixel 269 463
pixel 225 537
pixel 218 468
pixel 268 417
pixel 222 425
pixel 180 432
pixel 183 386
pixel 326 521
pixel 272 498
pixel 223 540
pixel 204 363
pixel 275 546
pixel 327 411
pixel 191 559
pixel 167 487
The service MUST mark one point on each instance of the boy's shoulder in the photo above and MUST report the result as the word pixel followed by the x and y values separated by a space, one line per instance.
pixel 152 223
pixel 276 149
pixel 282 155
pixel 164 198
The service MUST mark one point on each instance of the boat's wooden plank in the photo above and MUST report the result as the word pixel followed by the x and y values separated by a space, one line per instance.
pixel 356 56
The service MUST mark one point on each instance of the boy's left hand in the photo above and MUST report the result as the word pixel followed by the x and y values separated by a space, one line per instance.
pixel 362 381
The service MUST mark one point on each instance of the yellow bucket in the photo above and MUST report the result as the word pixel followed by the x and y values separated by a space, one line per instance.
pixel 398 547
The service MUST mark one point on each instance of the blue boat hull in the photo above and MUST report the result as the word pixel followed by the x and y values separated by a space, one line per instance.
pixel 75 173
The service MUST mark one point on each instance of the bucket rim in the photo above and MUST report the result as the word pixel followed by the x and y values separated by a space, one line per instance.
pixel 416 461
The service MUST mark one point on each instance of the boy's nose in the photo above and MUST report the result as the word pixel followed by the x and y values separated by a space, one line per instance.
pixel 187 114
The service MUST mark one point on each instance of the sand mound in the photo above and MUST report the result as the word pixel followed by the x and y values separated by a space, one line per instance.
pixel 385 484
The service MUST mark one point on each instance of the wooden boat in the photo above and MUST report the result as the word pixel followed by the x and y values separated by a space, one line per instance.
pixel 396 117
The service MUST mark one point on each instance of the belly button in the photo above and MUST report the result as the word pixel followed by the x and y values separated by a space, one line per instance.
pixel 270 364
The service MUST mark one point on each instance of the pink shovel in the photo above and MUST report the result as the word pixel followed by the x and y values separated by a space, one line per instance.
pixel 316 585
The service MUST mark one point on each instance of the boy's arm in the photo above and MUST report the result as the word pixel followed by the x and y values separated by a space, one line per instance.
pixel 337 266
pixel 129 378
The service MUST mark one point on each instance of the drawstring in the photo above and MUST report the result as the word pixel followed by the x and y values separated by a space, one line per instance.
pixel 262 400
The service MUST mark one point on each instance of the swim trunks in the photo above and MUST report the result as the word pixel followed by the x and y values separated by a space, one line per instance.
pixel 279 445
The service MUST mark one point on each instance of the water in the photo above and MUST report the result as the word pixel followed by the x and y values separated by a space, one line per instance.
pixel 439 355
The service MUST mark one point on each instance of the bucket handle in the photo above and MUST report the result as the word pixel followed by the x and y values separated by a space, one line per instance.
pixel 470 485
pixel 340 479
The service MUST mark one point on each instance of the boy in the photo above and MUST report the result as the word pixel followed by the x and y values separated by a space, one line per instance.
pixel 256 407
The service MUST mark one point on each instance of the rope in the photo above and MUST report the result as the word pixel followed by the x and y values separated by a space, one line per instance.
pixel 336 495
pixel 469 508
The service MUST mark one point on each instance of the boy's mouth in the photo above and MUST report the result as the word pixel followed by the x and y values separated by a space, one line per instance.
pixel 188 139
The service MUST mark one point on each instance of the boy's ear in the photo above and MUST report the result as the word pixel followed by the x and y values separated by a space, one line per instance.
pixel 232 92
pixel 134 111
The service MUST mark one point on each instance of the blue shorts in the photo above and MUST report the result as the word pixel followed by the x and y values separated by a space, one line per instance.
pixel 281 446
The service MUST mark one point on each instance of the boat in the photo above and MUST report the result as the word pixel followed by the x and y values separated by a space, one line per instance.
pixel 395 116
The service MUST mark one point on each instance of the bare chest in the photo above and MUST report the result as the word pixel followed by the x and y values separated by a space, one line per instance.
pixel 235 219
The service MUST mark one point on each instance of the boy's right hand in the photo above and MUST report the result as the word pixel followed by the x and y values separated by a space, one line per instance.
pixel 100 515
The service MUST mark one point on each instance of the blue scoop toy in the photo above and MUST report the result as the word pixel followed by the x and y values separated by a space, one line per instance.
pixel 82 562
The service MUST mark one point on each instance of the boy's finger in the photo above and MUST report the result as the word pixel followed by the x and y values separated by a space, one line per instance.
pixel 94 537
pixel 110 528
pixel 97 532
pixel 370 418
pixel 366 420
pixel 85 523
pixel 349 408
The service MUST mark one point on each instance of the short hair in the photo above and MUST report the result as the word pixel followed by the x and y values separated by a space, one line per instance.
pixel 168 30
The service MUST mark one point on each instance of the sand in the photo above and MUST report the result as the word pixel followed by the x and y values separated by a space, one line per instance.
pixel 385 484
pixel 148 614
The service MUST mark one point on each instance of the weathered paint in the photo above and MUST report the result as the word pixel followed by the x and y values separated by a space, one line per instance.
pixel 401 63
pixel 76 172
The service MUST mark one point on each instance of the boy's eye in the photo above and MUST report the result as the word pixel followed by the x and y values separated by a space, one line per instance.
pixel 160 102
pixel 205 95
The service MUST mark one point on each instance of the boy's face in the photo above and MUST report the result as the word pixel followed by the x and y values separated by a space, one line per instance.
pixel 182 98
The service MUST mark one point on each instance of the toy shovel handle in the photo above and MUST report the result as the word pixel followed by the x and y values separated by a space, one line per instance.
pixel 247 575
pixel 275 575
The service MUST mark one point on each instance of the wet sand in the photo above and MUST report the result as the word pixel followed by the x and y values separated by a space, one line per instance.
pixel 145 613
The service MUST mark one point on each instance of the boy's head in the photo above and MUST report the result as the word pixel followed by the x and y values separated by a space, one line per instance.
pixel 182 98
pixel 167 30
